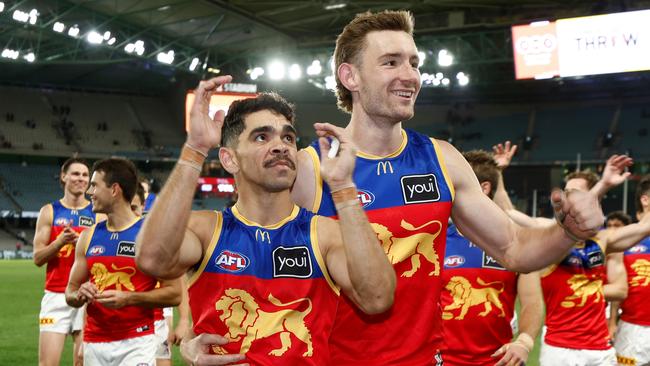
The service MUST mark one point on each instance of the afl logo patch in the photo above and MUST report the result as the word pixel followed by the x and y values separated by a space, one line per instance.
pixel 454 261
pixel 96 250
pixel 366 198
pixel 232 261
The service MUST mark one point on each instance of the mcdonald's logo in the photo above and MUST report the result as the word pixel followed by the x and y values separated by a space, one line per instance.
pixel 384 167
pixel 115 236
pixel 263 236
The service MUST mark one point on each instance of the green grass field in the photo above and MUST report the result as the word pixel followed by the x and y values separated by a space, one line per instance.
pixel 21 289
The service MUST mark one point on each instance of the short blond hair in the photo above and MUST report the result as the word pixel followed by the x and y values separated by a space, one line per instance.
pixel 351 42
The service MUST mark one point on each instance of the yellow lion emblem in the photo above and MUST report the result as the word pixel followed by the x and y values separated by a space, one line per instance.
pixel 582 288
pixel 243 317
pixel 66 250
pixel 465 296
pixel 642 269
pixel 414 246
pixel 104 278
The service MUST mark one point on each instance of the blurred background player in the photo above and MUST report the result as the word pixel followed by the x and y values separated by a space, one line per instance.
pixel 632 340
pixel 269 273
pixel 576 327
pixel 478 298
pixel 149 195
pixel 57 229
pixel 120 321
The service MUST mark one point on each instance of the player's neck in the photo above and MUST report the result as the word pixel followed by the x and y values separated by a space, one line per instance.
pixel 264 208
pixel 120 217
pixel 374 137
pixel 74 201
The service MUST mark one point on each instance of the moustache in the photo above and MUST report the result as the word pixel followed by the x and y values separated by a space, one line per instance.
pixel 283 158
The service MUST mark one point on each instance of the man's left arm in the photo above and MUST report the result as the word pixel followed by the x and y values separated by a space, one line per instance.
pixel 623 238
pixel 168 294
pixel 529 290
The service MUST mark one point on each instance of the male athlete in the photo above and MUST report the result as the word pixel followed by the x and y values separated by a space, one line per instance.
pixel 120 298
pixel 478 298
pixel 574 288
pixel 409 185
pixel 267 274
pixel 632 340
pixel 57 229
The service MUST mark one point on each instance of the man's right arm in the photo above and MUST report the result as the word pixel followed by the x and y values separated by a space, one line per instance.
pixel 42 251
pixel 79 291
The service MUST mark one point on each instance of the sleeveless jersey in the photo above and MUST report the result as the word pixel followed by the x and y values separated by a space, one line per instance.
pixel 110 256
pixel 58 268
pixel 575 303
pixel 635 307
pixel 267 289
pixel 478 294
pixel 148 202
pixel 407 197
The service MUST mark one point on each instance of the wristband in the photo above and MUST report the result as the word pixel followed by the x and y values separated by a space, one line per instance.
pixel 345 194
pixel 350 203
pixel 191 147
pixel 526 341
pixel 191 164
pixel 192 155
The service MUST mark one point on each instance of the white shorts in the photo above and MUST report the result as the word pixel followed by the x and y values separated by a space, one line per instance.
pixel 138 351
pixel 57 316
pixel 163 349
pixel 632 344
pixel 559 356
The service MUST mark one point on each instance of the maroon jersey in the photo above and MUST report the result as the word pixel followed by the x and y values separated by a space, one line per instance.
pixel 635 308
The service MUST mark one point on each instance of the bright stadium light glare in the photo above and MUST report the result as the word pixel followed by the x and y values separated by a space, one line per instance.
pixel 58 27
pixel 445 58
pixel 129 48
pixel 330 82
pixel 445 81
pixel 435 82
pixel 256 72
pixel 20 16
pixel 94 38
pixel 33 16
pixel 439 75
pixel 422 56
pixel 165 57
pixel 9 53
pixel 276 70
pixel 315 68
pixel 194 64
pixel 30 57
pixel 107 35
pixel 463 79
pixel 111 41
pixel 2 6
pixel 295 72
pixel 73 31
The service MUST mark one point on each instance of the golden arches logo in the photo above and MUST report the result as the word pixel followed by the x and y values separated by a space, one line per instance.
pixel 384 167
pixel 642 269
pixel 245 320
pixel 583 288
pixel 465 296
pixel 262 236
pixel 414 246
pixel 103 278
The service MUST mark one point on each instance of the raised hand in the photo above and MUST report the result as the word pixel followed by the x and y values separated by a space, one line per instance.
pixel 578 212
pixel 205 132
pixel 196 351
pixel 614 172
pixel 336 171
pixel 503 154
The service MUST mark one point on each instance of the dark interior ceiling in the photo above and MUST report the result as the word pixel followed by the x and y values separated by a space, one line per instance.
pixel 233 36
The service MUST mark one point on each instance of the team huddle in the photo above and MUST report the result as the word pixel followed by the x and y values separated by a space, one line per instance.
pixel 375 245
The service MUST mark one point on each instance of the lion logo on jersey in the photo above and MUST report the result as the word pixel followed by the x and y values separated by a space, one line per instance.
pixel 583 288
pixel 642 269
pixel 243 317
pixel 415 246
pixel 66 250
pixel 104 278
pixel 465 296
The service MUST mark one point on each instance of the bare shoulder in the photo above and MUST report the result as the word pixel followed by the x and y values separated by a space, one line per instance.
pixel 203 224
pixel 45 215
pixel 460 172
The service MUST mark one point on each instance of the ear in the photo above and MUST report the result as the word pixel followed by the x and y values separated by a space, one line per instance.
pixel 116 190
pixel 348 75
pixel 486 187
pixel 229 160
pixel 645 200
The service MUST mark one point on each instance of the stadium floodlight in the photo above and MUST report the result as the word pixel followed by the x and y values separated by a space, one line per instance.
pixel 33 16
pixel 73 31
pixel 9 53
pixel 20 16
pixel 139 47
pixel 129 48
pixel 58 27
pixel 315 68
pixel 435 82
pixel 330 82
pixel 333 5
pixel 94 38
pixel 422 56
pixel 295 72
pixel 445 58
pixel 165 57
pixel 445 81
pixel 194 64
pixel 30 57
pixel 276 70
pixel 256 72
pixel 107 35
pixel 439 75
pixel 111 41
pixel 463 79
pixel 2 6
